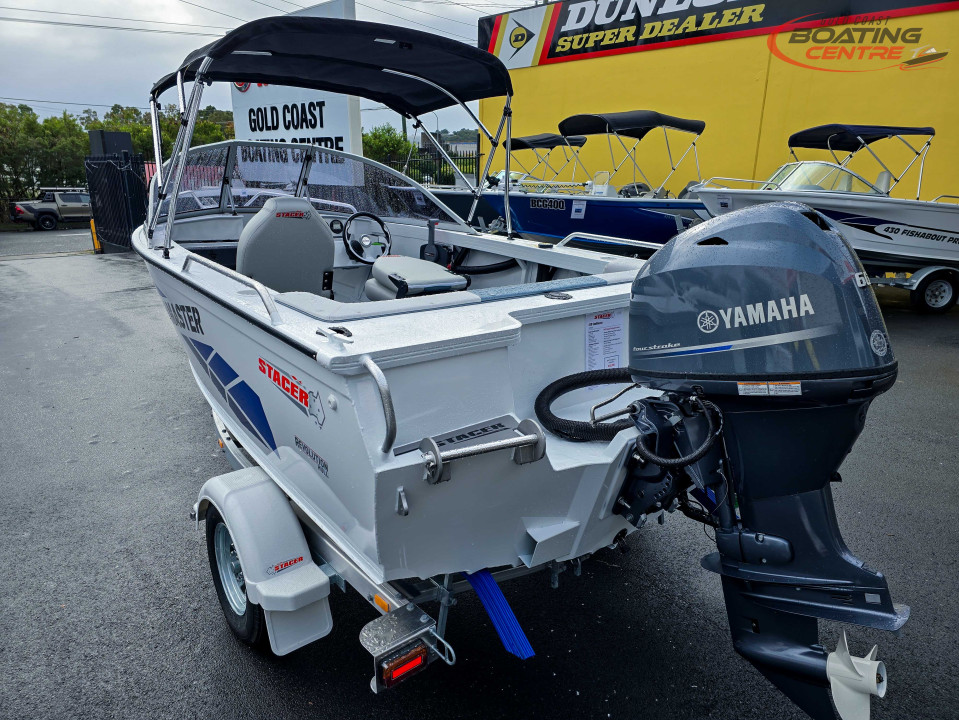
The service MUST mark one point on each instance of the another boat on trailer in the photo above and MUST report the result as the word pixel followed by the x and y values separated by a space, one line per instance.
pixel 919 237
pixel 603 203
pixel 416 409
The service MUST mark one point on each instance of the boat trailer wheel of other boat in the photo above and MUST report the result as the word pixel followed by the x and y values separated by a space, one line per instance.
pixel 764 358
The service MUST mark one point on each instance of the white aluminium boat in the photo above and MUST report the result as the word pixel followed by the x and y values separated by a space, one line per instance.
pixel 888 234
pixel 413 408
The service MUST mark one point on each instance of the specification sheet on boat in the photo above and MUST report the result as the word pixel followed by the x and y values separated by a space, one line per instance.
pixel 604 340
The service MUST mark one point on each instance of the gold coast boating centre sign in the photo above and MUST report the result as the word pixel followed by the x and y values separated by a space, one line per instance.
pixel 580 29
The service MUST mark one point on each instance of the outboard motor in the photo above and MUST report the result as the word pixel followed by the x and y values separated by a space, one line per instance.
pixel 768 315
pixel 764 340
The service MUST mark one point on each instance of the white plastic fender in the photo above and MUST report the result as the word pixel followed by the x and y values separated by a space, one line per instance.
pixel 280 574
pixel 853 680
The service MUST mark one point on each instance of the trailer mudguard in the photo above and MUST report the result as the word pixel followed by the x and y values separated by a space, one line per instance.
pixel 280 574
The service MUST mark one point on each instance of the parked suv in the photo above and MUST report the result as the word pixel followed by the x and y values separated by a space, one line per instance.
pixel 53 205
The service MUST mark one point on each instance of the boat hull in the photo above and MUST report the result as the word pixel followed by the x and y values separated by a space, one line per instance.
pixel 552 217
pixel 318 430
pixel 888 234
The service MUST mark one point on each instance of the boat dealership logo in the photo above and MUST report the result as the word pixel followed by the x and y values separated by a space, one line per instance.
pixel 863 43
pixel 242 86
pixel 566 30
pixel 306 401
pixel 758 313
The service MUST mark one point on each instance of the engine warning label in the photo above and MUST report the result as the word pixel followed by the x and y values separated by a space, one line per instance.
pixel 776 387
pixel 753 388
pixel 785 388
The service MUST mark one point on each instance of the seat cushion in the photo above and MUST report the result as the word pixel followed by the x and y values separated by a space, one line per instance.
pixel 401 276
pixel 287 246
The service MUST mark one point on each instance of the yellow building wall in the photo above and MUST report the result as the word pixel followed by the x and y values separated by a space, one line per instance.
pixel 751 102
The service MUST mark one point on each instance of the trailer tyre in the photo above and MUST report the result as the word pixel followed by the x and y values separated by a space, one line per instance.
pixel 46 222
pixel 935 294
pixel 244 618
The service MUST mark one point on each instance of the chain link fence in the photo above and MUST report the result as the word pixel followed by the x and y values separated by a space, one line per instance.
pixel 118 197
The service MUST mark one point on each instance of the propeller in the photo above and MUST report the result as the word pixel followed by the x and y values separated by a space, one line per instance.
pixel 853 680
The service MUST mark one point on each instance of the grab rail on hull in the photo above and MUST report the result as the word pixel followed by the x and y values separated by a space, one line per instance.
pixel 528 447
pixel 260 289
pixel 386 398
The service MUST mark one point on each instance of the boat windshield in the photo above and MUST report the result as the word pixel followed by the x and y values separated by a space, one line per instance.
pixel 336 182
pixel 818 176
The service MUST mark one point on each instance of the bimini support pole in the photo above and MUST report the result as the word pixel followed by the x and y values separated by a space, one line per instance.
pixel 508 114
pixel 157 139
pixel 192 110
pixel 165 184
pixel 494 143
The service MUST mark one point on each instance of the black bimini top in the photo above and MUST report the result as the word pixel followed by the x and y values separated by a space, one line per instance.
pixel 353 58
pixel 635 124
pixel 545 141
pixel 846 137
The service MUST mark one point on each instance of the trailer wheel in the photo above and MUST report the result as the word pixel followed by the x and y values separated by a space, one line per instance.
pixel 244 618
pixel 46 222
pixel 935 294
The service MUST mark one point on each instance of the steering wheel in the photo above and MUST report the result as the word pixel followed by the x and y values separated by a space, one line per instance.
pixel 369 246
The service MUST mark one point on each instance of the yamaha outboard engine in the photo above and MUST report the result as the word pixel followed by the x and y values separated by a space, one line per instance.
pixel 763 337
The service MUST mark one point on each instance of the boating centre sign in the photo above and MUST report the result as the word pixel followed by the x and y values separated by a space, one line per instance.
pixel 278 113
pixel 581 29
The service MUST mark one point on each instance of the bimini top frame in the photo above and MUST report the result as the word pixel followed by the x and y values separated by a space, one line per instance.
pixel 853 139
pixel 635 124
pixel 411 72
pixel 542 147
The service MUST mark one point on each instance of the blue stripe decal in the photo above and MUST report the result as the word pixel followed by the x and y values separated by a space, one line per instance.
pixel 204 349
pixel 250 403
pixel 222 370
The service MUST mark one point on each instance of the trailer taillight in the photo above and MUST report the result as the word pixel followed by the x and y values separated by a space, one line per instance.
pixel 404 664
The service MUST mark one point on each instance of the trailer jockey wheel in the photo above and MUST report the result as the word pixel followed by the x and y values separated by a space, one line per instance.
pixel 936 293
pixel 244 618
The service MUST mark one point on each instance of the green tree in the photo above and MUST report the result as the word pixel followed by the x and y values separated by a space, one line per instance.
pixel 384 143
pixel 20 150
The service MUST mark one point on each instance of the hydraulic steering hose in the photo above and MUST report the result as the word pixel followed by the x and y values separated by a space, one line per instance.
pixel 577 430
pixel 699 452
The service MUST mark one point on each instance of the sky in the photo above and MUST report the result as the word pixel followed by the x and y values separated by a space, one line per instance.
pixel 50 65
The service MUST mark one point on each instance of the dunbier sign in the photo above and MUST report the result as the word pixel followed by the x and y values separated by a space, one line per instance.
pixel 581 29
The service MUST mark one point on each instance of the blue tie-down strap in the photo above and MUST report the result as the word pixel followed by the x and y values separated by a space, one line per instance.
pixel 500 613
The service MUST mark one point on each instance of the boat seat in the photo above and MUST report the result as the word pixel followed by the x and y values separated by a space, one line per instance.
pixel 288 247
pixel 398 276
pixel 884 182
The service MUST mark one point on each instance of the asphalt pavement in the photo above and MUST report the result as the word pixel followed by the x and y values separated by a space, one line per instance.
pixel 109 610
pixel 43 242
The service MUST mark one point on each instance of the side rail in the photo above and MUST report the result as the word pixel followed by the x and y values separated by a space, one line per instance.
pixel 718 183
pixel 260 289
pixel 609 239
pixel 941 197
